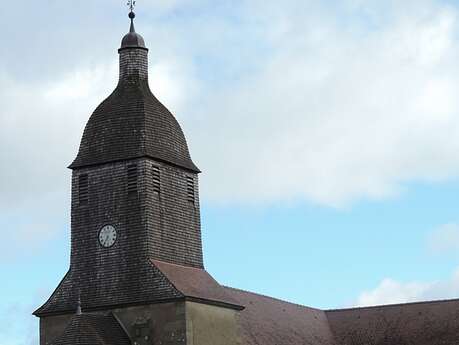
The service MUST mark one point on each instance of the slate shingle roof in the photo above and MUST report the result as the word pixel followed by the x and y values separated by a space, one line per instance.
pixel 91 329
pixel 133 123
pixel 161 282
pixel 145 284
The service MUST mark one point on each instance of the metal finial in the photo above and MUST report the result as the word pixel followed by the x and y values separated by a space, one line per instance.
pixel 131 4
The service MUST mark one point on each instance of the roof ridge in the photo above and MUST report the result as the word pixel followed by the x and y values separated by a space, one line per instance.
pixel 274 298
pixel 166 278
pixel 393 305
pixel 155 267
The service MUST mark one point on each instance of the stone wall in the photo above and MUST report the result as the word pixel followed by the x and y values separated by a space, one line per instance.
pixel 211 325
pixel 154 324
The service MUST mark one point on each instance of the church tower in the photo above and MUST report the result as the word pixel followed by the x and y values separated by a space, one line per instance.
pixel 136 251
pixel 136 273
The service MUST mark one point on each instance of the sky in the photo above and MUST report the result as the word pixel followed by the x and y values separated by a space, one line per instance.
pixel 327 133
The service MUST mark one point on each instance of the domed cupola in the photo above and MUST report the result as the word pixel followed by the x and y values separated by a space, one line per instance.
pixel 132 123
pixel 132 39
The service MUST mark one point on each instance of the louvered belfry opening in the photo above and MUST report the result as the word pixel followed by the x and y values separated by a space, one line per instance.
pixel 190 189
pixel 83 189
pixel 132 178
pixel 156 173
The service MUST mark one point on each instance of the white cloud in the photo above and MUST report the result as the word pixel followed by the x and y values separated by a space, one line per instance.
pixel 281 101
pixel 316 103
pixel 333 113
pixel 444 239
pixel 41 126
pixel 390 291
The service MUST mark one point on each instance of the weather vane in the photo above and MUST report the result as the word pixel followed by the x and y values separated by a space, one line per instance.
pixel 131 4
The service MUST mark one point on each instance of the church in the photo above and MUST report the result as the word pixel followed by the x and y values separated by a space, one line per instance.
pixel 137 275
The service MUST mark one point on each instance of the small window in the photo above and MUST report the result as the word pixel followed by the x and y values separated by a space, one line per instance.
pixel 83 189
pixel 190 188
pixel 156 179
pixel 132 180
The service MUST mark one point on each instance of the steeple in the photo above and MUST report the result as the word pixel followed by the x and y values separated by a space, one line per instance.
pixel 135 197
pixel 132 123
pixel 136 257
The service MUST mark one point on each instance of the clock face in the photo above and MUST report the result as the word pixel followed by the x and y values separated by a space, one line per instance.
pixel 107 236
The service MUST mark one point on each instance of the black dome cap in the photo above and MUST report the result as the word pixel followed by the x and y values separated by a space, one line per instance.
pixel 132 39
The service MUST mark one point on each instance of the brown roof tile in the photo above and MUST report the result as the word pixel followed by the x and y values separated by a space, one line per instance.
pixel 269 321
pixel 196 283
pixel 424 323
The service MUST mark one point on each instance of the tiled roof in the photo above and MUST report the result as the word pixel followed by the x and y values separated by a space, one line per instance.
pixel 268 321
pixel 91 329
pixel 425 323
pixel 196 283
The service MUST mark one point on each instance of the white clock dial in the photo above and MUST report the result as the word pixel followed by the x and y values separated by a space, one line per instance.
pixel 107 236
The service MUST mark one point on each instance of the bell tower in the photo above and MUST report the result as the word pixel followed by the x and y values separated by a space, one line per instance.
pixel 136 252
pixel 135 195
pixel 134 188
